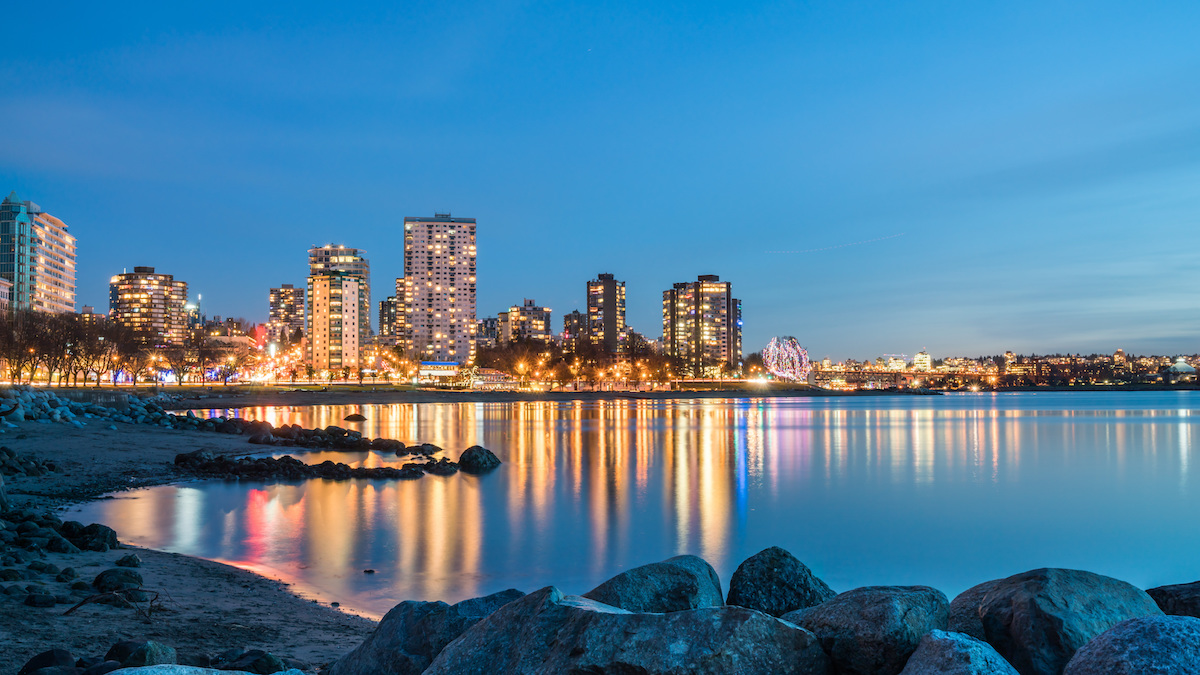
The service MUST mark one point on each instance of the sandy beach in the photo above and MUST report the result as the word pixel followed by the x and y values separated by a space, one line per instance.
pixel 206 607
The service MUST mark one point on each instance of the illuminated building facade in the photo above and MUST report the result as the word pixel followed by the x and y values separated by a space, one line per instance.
pixel 6 287
pixel 150 303
pixel 37 255
pixel 575 329
pixel 606 311
pixel 702 324
pixel 286 312
pixel 331 330
pixel 388 327
pixel 922 363
pixel 88 316
pixel 439 288
pixel 353 262
pixel 528 321
pixel 487 332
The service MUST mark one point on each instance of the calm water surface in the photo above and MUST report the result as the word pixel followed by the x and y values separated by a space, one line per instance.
pixel 945 491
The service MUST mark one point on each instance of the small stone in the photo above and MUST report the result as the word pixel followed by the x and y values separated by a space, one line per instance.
pixel 40 600
pixel 131 560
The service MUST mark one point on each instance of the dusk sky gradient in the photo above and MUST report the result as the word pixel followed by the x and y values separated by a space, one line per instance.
pixel 1022 176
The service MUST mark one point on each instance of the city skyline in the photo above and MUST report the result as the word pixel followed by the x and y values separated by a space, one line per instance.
pixel 966 179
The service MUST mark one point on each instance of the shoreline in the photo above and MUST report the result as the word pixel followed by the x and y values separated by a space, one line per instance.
pixel 207 606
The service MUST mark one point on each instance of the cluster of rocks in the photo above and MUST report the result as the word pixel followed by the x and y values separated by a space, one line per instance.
pixel 26 535
pixel 475 459
pixel 142 653
pixel 672 617
pixel 12 464
pixel 24 403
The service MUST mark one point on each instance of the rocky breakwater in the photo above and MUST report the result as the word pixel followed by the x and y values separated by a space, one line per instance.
pixel 670 618
pixel 205 464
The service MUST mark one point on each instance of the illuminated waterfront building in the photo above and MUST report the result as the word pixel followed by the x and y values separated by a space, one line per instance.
pixel 331 330
pixel 575 329
pixel 922 363
pixel 606 311
pixel 151 304
pixel 525 321
pixel 487 332
pixel 353 262
pixel 37 255
pixel 286 312
pixel 439 288
pixel 702 324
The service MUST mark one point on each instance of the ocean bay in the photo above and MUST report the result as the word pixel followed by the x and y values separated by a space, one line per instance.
pixel 938 490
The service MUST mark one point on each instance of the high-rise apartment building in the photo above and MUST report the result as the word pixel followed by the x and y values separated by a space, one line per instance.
pixel 606 311
pixel 37 255
pixel 353 262
pixel 388 308
pixel 526 321
pixel 702 324
pixel 575 329
pixel 439 288
pixel 286 312
pixel 333 323
pixel 149 303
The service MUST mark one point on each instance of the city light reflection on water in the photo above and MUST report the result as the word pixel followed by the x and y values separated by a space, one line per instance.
pixel 945 491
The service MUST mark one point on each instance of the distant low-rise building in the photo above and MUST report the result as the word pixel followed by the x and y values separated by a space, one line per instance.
pixel 487 332
pixel 525 321
pixel 922 363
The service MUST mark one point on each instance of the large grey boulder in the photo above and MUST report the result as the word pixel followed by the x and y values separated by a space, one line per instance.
pixel 873 630
pixel 477 459
pixel 1037 619
pixel 946 653
pixel 410 635
pixel 1181 599
pixel 546 633
pixel 964 610
pixel 673 585
pixel 1150 645
pixel 775 582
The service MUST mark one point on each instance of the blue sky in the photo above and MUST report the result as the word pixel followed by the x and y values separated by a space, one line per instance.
pixel 1020 176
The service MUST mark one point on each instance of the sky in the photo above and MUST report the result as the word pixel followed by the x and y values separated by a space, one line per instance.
pixel 886 177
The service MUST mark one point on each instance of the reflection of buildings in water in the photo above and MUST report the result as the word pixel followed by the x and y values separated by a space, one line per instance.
pixel 598 485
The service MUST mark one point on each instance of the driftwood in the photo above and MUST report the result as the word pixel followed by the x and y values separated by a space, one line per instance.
pixel 121 596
